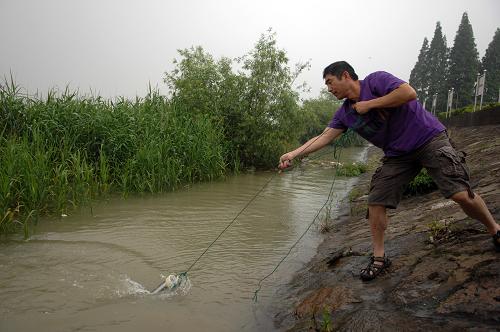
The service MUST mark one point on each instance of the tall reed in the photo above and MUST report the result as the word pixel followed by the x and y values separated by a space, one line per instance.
pixel 64 150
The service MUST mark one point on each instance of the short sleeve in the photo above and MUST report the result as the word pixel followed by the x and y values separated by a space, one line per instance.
pixel 337 119
pixel 382 83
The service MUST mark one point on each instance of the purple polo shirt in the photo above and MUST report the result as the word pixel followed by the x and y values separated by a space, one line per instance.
pixel 396 130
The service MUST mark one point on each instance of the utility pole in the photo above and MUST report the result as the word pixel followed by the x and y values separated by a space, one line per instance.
pixel 482 88
pixel 434 101
pixel 475 91
pixel 449 102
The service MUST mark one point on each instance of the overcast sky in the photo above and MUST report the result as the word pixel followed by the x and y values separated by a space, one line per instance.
pixel 115 47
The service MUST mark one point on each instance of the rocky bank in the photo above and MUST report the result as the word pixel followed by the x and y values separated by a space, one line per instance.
pixel 445 273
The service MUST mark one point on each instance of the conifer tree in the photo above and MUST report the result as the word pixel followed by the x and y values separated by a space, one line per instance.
pixel 491 62
pixel 436 67
pixel 463 64
pixel 419 76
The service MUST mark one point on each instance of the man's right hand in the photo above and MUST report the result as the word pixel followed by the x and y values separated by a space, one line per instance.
pixel 286 160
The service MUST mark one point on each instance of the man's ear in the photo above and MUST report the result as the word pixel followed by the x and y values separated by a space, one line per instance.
pixel 346 75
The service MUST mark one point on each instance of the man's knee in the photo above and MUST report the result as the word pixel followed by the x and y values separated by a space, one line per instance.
pixel 377 213
pixel 377 208
pixel 462 197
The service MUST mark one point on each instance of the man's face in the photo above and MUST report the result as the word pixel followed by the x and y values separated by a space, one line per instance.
pixel 337 87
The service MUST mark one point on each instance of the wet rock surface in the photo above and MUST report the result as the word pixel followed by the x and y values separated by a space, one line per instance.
pixel 445 273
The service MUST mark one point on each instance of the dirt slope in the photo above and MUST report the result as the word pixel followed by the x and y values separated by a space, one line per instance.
pixel 445 274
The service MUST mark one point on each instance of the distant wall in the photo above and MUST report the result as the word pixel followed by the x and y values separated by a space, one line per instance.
pixel 478 118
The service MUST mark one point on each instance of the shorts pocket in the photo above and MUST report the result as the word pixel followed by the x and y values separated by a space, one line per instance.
pixel 375 175
pixel 450 162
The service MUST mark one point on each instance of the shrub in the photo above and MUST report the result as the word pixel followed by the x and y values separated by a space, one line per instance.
pixel 421 184
pixel 354 169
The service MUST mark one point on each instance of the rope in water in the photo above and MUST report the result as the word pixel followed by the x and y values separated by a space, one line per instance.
pixel 241 211
pixel 336 153
pixel 232 221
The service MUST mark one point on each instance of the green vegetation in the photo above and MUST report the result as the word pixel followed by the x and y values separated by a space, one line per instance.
pixel 419 78
pixel 355 193
pixel 463 64
pixel 318 112
pixel 326 322
pixel 354 169
pixel 64 151
pixel 438 231
pixel 491 63
pixel 421 184
pixel 256 108
pixel 437 58
pixel 468 109
pixel 326 224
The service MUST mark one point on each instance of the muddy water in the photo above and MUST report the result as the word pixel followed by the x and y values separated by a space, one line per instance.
pixel 91 271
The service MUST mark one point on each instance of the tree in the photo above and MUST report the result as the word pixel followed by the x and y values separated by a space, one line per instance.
pixel 463 64
pixel 318 113
pixel 272 116
pixel 437 61
pixel 419 76
pixel 491 63
pixel 196 82
pixel 257 108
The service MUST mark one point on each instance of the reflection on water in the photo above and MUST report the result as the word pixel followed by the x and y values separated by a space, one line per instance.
pixel 93 271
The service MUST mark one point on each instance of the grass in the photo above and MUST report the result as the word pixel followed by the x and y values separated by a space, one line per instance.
pixel 355 193
pixel 354 169
pixel 326 224
pixel 63 151
pixel 327 321
pixel 438 231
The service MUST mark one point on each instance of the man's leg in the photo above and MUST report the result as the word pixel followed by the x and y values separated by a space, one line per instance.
pixel 386 189
pixel 476 209
pixel 378 223
pixel 450 172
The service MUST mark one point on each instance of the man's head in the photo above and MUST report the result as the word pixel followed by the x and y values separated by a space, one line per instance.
pixel 339 77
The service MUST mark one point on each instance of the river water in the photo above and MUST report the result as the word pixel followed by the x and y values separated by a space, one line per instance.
pixel 91 271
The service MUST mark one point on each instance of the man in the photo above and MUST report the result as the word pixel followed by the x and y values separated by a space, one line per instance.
pixel 383 109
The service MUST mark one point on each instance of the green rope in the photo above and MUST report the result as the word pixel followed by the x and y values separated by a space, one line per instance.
pixel 241 211
pixel 232 221
pixel 336 153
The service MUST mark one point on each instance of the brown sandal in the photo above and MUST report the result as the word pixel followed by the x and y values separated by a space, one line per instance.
pixel 374 268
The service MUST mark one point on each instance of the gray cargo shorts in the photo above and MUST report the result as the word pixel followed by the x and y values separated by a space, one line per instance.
pixel 444 164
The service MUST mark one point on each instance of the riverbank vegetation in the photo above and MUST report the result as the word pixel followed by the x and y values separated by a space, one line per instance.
pixel 467 109
pixel 64 150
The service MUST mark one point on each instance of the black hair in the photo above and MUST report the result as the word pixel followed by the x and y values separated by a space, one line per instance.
pixel 338 68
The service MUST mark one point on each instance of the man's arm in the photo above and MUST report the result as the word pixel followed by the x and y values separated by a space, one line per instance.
pixel 314 144
pixel 397 97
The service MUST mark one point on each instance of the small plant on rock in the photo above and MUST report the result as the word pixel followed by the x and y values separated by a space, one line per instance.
pixel 327 221
pixel 438 231
pixel 326 323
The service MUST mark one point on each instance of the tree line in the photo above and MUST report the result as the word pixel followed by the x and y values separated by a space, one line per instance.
pixel 440 68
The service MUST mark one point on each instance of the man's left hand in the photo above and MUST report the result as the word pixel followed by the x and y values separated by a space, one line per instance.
pixel 361 107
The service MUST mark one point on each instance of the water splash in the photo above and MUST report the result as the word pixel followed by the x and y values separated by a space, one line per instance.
pixel 173 285
pixel 131 288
